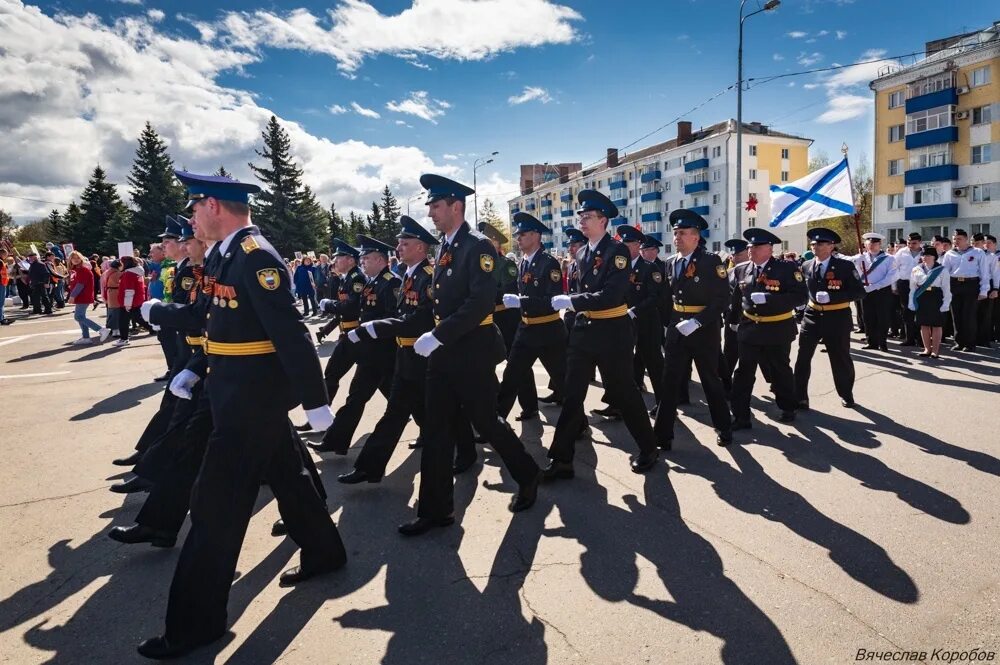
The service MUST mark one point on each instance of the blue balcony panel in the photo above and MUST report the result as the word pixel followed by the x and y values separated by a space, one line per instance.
pixel 652 217
pixel 618 221
pixel 656 235
pixel 696 164
pixel 620 202
pixel 692 187
pixel 932 100
pixel 701 210
pixel 546 216
pixel 617 184
pixel 650 176
pixel 937 211
pixel 548 245
pixel 931 174
pixel 546 203
pixel 565 198
pixel 651 196
pixel 931 137
pixel 565 213
pixel 530 205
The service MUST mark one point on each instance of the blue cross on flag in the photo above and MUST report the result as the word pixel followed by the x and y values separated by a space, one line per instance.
pixel 821 194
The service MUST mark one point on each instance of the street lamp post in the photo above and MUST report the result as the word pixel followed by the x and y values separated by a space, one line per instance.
pixel 768 6
pixel 476 165
pixel 413 198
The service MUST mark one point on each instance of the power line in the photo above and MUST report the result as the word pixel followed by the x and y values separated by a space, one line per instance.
pixel 23 198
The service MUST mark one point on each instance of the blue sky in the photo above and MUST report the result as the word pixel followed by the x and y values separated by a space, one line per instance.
pixel 595 75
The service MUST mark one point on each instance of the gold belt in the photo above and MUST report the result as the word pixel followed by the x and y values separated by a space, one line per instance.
pixel 198 342
pixel 613 313
pixel 485 322
pixel 828 308
pixel 768 319
pixel 688 309
pixel 406 341
pixel 349 325
pixel 966 279
pixel 535 320
pixel 239 348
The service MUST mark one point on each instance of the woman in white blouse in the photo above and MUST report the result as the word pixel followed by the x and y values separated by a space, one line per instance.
pixel 930 299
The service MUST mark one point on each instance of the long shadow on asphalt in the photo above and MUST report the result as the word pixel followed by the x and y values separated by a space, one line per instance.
pixel 910 369
pixel 126 399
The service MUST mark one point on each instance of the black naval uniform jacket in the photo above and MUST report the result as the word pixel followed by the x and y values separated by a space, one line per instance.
pixel 257 344
pixel 464 293
pixel 414 316
pixel 346 308
pixel 538 283
pixel 603 285
pixel 842 282
pixel 643 295
pixel 184 290
pixel 786 289
pixel 704 283
pixel 378 301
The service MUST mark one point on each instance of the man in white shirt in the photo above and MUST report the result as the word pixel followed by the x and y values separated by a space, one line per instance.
pixel 906 259
pixel 970 283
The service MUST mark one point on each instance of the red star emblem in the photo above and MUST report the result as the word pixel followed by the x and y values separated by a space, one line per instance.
pixel 752 202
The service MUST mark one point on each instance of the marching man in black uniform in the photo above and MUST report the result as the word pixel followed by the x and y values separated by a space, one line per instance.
pixel 463 351
pixel 697 293
pixel 376 357
pixel 601 337
pixel 346 311
pixel 643 299
pixel 730 345
pixel 262 363
pixel 833 284
pixel 768 291
pixel 541 333
pixel 575 240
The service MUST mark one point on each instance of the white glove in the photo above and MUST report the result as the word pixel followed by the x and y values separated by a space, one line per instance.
pixel 323 303
pixel 155 327
pixel 631 312
pixel 511 300
pixel 562 302
pixel 426 344
pixel 181 384
pixel 822 297
pixel 734 326
pixel 370 329
pixel 320 418
pixel 758 297
pixel 146 306
pixel 353 336
pixel 943 309
pixel 688 326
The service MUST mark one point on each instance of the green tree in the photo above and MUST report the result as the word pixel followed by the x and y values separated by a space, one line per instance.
pixel 7 226
pixel 336 222
pixel 285 210
pixel 316 220
pixel 38 232
pixel 104 219
pixel 384 222
pixel 488 213
pixel 71 222
pixel 155 193
pixel 57 230
pixel 223 172
pixel 355 225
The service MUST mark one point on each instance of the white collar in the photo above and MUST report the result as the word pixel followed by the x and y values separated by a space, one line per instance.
pixel 449 238
pixel 530 257
pixel 224 244
pixel 635 260
pixel 412 269
pixel 761 266
pixel 593 246
pixel 682 257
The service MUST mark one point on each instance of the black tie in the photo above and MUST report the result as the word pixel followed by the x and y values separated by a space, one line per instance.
pixel 524 267
pixel 680 268
pixel 444 248
pixel 586 255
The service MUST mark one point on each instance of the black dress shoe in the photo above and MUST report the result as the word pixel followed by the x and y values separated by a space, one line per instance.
pixel 527 415
pixel 883 347
pixel 137 533
pixel 417 443
pixel 847 402
pixel 870 347
pixel 131 460
pixel 609 412
pixel 162 378
pixel 422 525
pixel 742 424
pixel 551 399
pixel 279 529
pixel 358 476
pixel 298 574
pixel 463 465
pixel 724 438
pixel 957 347
pixel 325 448
pixel 786 416
pixel 526 495
pixel 803 405
pixel 644 462
pixel 558 471
pixel 159 648
pixel 137 484
pixel 302 428
pixel 666 443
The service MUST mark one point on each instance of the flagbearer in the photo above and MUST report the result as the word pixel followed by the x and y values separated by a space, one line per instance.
pixel 833 284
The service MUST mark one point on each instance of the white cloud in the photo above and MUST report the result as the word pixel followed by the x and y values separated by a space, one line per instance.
pixel 811 86
pixel 841 34
pixel 449 157
pixel 844 107
pixel 809 59
pixel 128 2
pixel 497 189
pixel 81 86
pixel 420 105
pixel 368 113
pixel 791 84
pixel 530 93
pixel 847 89
pixel 206 31
pixel 354 30
pixel 336 109
pixel 403 123
pixel 777 57
pixel 822 33
pixel 796 34
pixel 155 15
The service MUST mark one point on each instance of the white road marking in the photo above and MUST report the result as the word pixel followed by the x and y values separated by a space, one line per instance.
pixel 28 376
pixel 12 340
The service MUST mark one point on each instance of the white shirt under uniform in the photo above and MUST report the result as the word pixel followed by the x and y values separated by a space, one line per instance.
pixel 967 265
pixel 906 261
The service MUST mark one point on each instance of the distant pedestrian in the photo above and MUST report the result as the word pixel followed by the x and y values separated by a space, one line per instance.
pixel 132 289
pixel 81 294
pixel 305 286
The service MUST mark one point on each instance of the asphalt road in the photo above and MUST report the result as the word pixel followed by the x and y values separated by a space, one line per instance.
pixel 869 529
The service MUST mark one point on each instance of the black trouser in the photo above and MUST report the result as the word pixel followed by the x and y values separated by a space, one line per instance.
pixel 40 299
pixel 158 455
pixel 616 373
pixel 648 354
pixel 731 353
pixel 834 330
pixel 461 384
pixel 307 300
pixel 167 337
pixel 776 358
pixel 373 372
pixel 126 318
pixel 341 361
pixel 996 320
pixel 159 423
pixel 702 348
pixel 24 293
pixel 984 321
pixel 910 328
pixel 239 451
pixel 508 321
pixel 859 308
pixel 520 363
pixel 877 310
pixel 964 298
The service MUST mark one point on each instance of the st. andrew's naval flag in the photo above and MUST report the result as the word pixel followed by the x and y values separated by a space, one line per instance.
pixel 820 195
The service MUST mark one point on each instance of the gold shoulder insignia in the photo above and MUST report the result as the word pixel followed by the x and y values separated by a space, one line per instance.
pixel 429 270
pixel 621 262
pixel 720 270
pixel 249 244
pixel 388 275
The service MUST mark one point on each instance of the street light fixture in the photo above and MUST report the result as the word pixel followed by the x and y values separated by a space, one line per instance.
pixel 768 6
pixel 413 198
pixel 476 165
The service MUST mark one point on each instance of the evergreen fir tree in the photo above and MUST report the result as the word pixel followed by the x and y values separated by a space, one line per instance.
pixel 373 221
pixel 155 192
pixel 223 172
pixel 57 232
pixel 355 225
pixel 314 222
pixel 336 223
pixel 71 223
pixel 488 213
pixel 104 218
pixel 385 226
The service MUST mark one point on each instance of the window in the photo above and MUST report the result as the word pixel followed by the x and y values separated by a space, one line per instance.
pixel 716 175
pixel 751 221
pixel 715 199
pixel 753 151
pixel 931 231
pixel 668 249
pixel 680 204
pixel 717 151
pixel 753 174
pixel 697 201
pixel 666 207
pixel 895 166
pixel 927 194
pixel 980 77
pixel 896 133
pixel 784 245
pixel 982 193
pixel 896 99
pixel 981 154
pixel 716 246
pixel 979 228
pixel 784 153
pixel 922 121
pixel 784 176
pixel 895 235
pixel 895 202
pixel 666 186
pixel 933 84
pixel 932 155
pixel 982 115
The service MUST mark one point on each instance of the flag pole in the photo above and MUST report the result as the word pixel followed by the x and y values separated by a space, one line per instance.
pixel 857 217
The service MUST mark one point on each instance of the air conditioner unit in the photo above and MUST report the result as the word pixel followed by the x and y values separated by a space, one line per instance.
pixel 960 191
pixel 962 115
pixel 962 89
